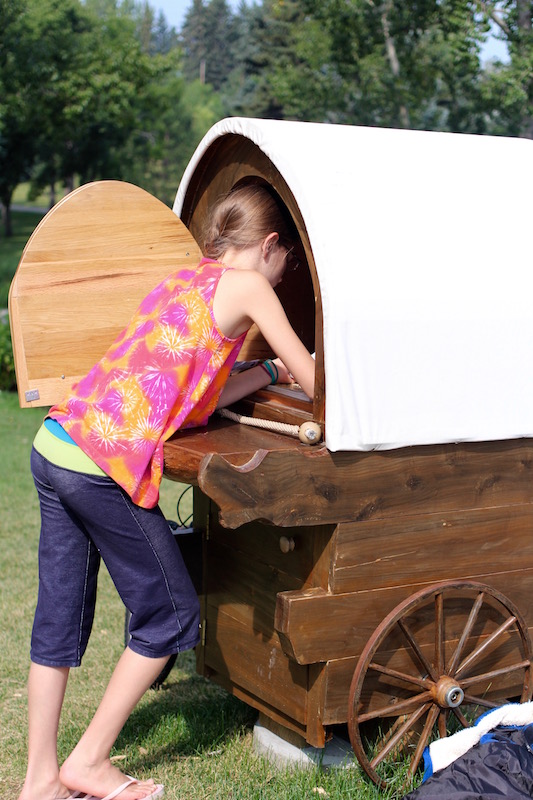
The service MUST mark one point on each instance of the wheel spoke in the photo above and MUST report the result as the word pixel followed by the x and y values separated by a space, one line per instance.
pixel 480 701
pixel 426 666
pixel 411 685
pixel 401 676
pixel 396 709
pixel 398 735
pixel 489 676
pixel 443 720
pixel 475 654
pixel 474 612
pixel 439 633
pixel 461 717
pixel 424 739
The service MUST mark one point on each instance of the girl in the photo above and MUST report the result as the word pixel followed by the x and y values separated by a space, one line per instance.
pixel 97 463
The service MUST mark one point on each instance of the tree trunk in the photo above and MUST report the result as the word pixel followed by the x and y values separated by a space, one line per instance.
pixel 392 55
pixel 526 131
pixel 524 24
pixel 522 44
pixel 524 14
pixel 6 219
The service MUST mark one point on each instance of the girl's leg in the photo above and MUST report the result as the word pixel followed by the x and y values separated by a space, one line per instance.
pixel 46 690
pixel 68 568
pixel 89 768
pixel 147 569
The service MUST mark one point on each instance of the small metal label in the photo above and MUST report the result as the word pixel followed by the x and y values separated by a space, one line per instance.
pixel 33 394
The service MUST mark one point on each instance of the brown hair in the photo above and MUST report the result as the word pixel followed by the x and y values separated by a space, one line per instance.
pixel 244 217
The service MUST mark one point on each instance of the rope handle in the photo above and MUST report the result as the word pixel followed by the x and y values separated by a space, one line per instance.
pixel 307 432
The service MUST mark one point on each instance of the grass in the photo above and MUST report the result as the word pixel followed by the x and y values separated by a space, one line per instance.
pixel 24 223
pixel 21 196
pixel 190 734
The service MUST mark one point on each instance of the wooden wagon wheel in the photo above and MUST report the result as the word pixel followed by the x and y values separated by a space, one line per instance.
pixel 438 661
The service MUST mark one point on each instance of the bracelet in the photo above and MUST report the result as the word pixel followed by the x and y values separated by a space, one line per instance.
pixel 271 369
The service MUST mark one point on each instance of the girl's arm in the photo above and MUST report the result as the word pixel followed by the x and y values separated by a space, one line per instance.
pixel 246 296
pixel 264 308
pixel 242 384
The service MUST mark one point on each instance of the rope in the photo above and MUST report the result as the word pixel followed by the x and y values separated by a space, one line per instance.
pixel 278 427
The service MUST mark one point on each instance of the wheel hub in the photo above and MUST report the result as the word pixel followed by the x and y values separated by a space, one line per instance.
pixel 448 693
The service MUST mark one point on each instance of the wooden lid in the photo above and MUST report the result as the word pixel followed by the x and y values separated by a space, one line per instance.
pixel 83 273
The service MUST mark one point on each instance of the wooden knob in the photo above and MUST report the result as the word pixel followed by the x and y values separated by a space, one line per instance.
pixel 286 544
pixel 310 433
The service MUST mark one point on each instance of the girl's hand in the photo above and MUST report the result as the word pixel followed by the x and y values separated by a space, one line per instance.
pixel 284 376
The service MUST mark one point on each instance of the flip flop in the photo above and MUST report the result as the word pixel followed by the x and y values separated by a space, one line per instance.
pixel 158 791
pixel 75 796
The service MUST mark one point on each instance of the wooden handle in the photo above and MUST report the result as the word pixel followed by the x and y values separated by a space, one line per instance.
pixel 286 544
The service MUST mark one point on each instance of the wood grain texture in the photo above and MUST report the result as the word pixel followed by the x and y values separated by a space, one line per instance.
pixel 376 554
pixel 310 485
pixel 259 668
pixel 186 450
pixel 83 273
pixel 317 626
pixel 338 676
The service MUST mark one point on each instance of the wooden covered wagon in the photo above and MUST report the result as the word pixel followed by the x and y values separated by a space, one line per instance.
pixel 375 578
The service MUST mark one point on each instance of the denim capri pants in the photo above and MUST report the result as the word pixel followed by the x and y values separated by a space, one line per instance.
pixel 88 517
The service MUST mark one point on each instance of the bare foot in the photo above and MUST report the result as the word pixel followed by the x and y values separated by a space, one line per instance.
pixel 47 790
pixel 102 779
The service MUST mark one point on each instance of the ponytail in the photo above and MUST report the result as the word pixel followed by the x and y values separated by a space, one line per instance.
pixel 243 218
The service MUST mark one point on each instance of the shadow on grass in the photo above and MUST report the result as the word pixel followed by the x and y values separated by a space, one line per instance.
pixel 187 717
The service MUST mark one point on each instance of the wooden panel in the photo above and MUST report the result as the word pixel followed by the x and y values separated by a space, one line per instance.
pixel 248 587
pixel 310 485
pixel 185 451
pixel 286 723
pixel 84 271
pixel 376 554
pixel 316 626
pixel 246 659
pixel 269 546
pixel 278 403
pixel 316 734
pixel 339 674
pixel 338 678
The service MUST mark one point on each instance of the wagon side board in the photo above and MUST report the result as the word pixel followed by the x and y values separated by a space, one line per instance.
pixel 289 603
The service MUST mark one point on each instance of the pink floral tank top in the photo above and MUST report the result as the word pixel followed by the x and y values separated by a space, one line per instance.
pixel 165 371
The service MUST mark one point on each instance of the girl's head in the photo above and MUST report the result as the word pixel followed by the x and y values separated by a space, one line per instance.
pixel 244 218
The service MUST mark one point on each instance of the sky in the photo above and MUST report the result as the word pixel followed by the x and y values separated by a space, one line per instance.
pixel 175 10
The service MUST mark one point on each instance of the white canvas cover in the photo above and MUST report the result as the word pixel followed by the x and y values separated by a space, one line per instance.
pixel 422 245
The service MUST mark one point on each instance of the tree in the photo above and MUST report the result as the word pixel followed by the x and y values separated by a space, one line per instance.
pixel 207 38
pixel 508 87
pixel 399 63
pixel 17 121
pixel 70 80
pixel 172 115
pixel 263 40
pixel 153 32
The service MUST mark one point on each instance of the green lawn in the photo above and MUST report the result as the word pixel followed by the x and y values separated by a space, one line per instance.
pixel 190 734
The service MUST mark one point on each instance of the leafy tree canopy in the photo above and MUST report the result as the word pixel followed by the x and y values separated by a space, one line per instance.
pixel 107 89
